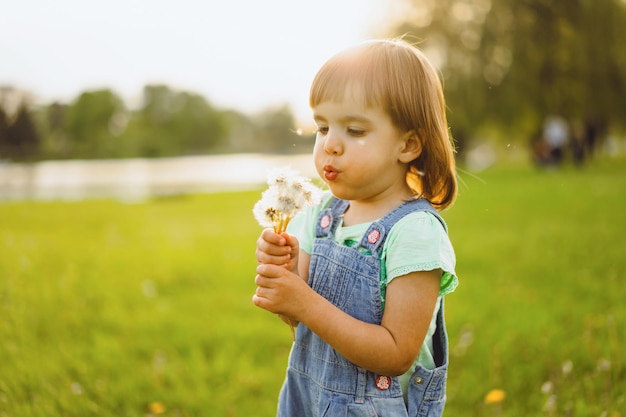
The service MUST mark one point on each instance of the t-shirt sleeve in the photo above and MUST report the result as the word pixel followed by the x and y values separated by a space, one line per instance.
pixel 418 242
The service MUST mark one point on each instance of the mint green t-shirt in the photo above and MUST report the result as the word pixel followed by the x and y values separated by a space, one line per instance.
pixel 417 242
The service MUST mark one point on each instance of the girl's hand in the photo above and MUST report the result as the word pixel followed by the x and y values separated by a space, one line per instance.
pixel 281 291
pixel 278 249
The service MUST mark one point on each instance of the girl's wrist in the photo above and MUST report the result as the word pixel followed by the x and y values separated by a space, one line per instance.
pixel 309 306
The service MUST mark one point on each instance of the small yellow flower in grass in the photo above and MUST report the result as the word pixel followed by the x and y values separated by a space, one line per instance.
pixel 156 407
pixel 495 396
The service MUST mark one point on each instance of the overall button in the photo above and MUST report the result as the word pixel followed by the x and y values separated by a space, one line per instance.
pixel 325 222
pixel 383 383
pixel 418 380
pixel 373 236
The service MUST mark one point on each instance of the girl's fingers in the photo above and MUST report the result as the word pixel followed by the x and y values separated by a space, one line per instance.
pixel 258 301
pixel 265 258
pixel 291 241
pixel 272 248
pixel 259 280
pixel 270 270
pixel 272 237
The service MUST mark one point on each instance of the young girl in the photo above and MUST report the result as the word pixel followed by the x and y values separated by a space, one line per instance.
pixel 363 274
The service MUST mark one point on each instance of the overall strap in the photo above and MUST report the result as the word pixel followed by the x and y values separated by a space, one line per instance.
pixel 376 234
pixel 329 218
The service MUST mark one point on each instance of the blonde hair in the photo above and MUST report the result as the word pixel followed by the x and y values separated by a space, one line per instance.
pixel 397 77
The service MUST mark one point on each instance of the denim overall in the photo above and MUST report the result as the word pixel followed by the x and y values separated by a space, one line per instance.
pixel 322 383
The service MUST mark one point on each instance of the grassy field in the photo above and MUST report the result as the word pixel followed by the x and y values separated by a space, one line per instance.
pixel 112 309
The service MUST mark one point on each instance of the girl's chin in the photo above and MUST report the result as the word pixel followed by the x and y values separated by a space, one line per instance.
pixel 339 192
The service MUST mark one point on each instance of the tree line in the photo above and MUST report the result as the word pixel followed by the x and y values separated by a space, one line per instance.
pixel 508 65
pixel 98 124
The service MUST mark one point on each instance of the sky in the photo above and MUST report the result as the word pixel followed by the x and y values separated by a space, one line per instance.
pixel 248 55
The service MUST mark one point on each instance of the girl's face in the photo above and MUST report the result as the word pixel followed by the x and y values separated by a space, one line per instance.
pixel 359 152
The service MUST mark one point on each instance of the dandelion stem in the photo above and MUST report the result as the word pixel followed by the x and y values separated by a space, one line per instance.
pixel 293 330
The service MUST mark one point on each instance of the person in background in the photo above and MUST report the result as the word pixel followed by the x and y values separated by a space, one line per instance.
pixel 556 134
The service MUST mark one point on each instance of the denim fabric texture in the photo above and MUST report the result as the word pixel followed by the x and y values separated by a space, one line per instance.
pixel 322 383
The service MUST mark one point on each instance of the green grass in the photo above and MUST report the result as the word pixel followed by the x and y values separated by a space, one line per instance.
pixel 113 309
pixel 540 256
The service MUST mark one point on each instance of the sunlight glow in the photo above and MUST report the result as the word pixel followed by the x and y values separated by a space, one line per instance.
pixel 240 54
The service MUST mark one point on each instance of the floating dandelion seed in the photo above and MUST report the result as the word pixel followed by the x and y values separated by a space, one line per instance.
pixel 288 193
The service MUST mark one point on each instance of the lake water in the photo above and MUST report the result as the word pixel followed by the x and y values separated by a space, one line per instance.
pixel 137 179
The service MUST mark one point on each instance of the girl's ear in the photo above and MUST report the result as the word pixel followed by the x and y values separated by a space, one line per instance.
pixel 412 147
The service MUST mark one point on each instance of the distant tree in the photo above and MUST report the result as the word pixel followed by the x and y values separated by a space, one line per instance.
pixel 56 116
pixel 19 136
pixel 89 124
pixel 19 139
pixel 275 131
pixel 242 133
pixel 176 123
pixel 509 63
pixel 50 121
pixel 4 136
pixel 97 124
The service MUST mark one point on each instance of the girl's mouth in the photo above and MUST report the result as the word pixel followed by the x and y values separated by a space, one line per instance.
pixel 330 173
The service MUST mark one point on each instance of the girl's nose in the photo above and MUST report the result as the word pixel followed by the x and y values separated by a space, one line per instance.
pixel 332 144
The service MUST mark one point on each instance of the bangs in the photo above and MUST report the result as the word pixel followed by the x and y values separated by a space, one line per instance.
pixel 354 72
pixel 386 74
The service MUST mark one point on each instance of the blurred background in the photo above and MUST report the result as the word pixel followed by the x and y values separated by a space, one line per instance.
pixel 135 137
pixel 543 80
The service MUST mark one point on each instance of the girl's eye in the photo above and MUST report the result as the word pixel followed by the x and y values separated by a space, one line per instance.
pixel 322 130
pixel 355 132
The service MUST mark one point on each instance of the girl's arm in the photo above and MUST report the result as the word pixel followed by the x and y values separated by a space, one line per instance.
pixel 389 348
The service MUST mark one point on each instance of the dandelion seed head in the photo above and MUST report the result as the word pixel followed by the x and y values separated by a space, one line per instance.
pixel 280 176
pixel 297 188
pixel 547 387
pixel 76 388
pixel 148 288
pixel 287 194
pixel 287 205
pixel 264 212
pixel 567 367
pixel 465 341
